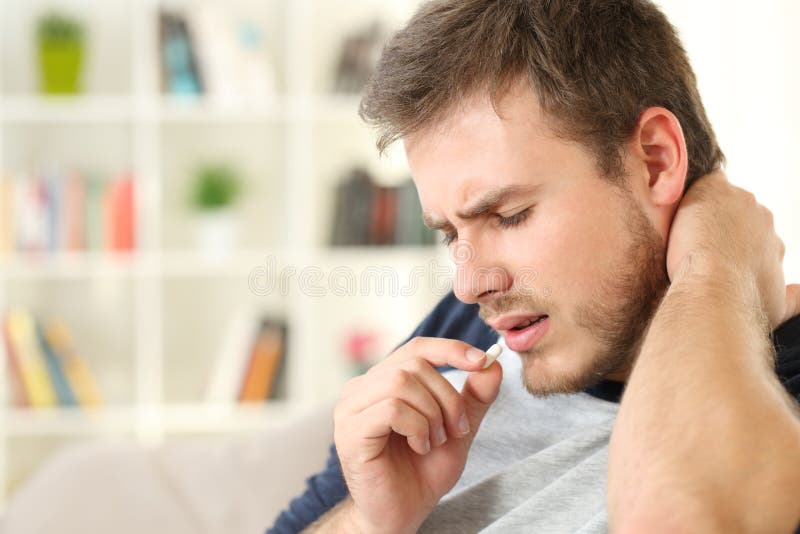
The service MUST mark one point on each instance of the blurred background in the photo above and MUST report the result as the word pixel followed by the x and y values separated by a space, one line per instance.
pixel 197 238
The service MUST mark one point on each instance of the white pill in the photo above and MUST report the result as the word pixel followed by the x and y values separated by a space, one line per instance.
pixel 492 354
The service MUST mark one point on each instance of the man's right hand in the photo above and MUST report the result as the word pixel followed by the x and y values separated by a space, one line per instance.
pixel 385 418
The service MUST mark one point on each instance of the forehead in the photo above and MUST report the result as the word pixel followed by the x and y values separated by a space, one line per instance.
pixel 480 147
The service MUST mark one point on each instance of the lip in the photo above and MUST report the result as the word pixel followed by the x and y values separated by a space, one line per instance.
pixel 507 322
pixel 525 339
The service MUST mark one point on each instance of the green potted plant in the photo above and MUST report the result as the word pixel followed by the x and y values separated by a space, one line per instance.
pixel 215 189
pixel 60 44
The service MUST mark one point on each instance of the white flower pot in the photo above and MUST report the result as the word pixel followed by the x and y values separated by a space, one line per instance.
pixel 216 234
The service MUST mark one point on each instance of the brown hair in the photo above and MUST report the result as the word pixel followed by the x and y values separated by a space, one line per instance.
pixel 595 65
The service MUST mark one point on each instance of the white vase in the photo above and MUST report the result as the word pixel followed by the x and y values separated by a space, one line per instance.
pixel 216 234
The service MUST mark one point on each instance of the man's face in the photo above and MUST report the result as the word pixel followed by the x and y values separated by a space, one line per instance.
pixel 538 232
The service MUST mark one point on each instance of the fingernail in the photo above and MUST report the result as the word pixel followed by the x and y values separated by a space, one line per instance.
pixel 463 424
pixel 475 355
pixel 427 445
pixel 441 436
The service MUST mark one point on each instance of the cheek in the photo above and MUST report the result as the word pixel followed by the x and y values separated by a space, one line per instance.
pixel 579 245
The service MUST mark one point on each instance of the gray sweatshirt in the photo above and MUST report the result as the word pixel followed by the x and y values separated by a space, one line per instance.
pixel 537 465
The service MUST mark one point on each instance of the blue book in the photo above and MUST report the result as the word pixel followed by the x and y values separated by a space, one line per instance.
pixel 63 391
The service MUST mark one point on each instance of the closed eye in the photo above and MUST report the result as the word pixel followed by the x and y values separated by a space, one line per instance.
pixel 505 222
pixel 513 220
pixel 448 237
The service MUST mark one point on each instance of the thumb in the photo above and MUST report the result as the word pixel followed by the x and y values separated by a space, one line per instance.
pixel 479 392
pixel 792 302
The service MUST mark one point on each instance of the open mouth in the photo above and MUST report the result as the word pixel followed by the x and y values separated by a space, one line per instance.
pixel 528 322
pixel 524 335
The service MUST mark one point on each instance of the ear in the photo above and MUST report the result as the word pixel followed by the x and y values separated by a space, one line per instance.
pixel 660 146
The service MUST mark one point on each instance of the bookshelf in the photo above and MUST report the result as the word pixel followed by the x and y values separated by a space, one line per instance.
pixel 150 321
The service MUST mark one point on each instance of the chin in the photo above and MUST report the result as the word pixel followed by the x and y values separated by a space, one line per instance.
pixel 544 375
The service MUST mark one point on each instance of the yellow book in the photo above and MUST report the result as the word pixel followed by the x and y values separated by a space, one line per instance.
pixel 35 376
pixel 264 361
pixel 75 368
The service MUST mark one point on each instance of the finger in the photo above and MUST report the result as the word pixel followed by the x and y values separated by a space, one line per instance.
pixel 439 352
pixel 375 424
pixel 479 392
pixel 396 383
pixel 446 396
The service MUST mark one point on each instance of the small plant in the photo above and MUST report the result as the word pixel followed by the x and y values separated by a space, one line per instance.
pixel 60 41
pixel 215 187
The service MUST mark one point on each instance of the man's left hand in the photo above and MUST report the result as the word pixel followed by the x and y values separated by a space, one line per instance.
pixel 720 228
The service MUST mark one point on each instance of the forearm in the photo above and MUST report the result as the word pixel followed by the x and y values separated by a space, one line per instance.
pixel 341 519
pixel 336 520
pixel 706 439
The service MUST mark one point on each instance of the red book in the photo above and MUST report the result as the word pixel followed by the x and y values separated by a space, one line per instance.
pixel 120 215
pixel 383 215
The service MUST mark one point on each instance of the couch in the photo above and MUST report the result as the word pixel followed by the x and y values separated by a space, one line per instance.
pixel 192 485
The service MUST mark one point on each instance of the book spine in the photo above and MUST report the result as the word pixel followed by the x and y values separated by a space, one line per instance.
pixel 38 387
pixel 75 212
pixel 76 371
pixel 234 358
pixel 119 215
pixel 58 379
pixel 264 363
pixel 18 394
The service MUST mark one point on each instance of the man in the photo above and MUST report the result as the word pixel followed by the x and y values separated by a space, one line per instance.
pixel 562 148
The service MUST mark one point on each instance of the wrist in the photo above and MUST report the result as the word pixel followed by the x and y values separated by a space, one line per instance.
pixel 704 284
pixel 704 273
pixel 353 522
pixel 702 265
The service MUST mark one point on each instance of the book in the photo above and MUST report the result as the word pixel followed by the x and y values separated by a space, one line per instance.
pixel 77 372
pixel 383 215
pixel 352 209
pixel 52 191
pixel 265 361
pixel 409 228
pixel 65 212
pixel 366 213
pixel 233 357
pixel 74 210
pixel 357 58
pixel 19 397
pixel 35 376
pixel 30 214
pixel 58 378
pixel 180 74
pixel 232 55
pixel 93 214
pixel 120 215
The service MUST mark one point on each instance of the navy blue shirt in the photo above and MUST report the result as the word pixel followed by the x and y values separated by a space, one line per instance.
pixel 453 319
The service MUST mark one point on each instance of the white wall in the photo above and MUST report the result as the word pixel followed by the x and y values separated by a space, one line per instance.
pixel 745 56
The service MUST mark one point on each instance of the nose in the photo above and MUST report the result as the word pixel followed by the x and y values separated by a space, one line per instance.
pixel 479 277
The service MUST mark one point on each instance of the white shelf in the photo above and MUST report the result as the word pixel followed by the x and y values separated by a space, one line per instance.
pixel 175 419
pixel 69 265
pixel 89 108
pixel 298 139
pixel 189 263
pixel 200 110
pixel 68 109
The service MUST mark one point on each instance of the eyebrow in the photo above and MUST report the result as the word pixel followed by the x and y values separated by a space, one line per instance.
pixel 483 205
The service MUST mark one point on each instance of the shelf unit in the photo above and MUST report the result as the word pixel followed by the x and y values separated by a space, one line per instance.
pixel 152 319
